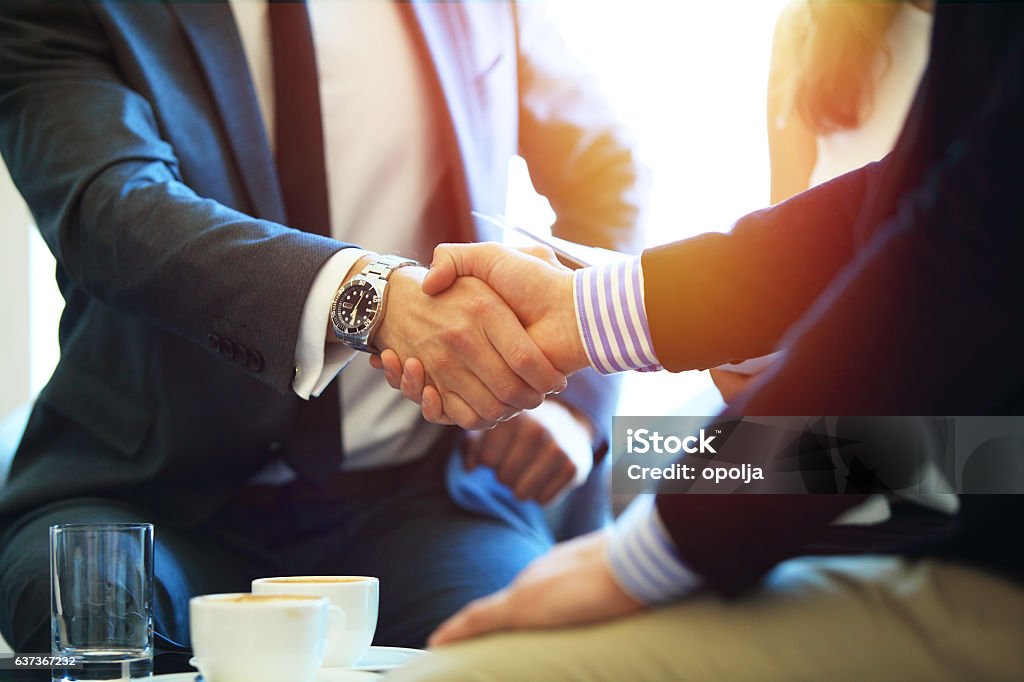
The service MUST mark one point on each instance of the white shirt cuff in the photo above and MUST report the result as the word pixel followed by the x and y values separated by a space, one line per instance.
pixel 316 361
pixel 644 559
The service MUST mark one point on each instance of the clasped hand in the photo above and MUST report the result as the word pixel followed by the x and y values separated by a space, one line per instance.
pixel 530 334
pixel 484 366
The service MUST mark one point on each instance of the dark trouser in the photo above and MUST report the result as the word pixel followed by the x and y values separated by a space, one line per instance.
pixel 397 524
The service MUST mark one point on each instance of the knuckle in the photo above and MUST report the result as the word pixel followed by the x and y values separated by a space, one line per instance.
pixel 517 394
pixel 507 391
pixel 454 337
pixel 520 359
pixel 444 367
pixel 493 411
pixel 479 305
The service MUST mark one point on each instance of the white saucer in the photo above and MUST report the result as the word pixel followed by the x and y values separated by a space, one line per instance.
pixel 322 675
pixel 380 658
pixel 377 659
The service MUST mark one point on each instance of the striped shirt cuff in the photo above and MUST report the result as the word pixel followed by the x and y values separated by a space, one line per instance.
pixel 643 558
pixel 611 317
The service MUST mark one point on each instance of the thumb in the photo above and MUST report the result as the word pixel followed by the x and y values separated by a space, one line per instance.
pixel 460 260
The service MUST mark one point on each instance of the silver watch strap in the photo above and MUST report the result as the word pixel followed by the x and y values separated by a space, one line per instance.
pixel 382 266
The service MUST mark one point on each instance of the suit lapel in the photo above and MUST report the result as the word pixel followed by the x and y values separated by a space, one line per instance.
pixel 210 27
pixel 434 33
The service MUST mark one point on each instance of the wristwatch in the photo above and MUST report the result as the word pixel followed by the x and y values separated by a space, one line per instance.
pixel 358 306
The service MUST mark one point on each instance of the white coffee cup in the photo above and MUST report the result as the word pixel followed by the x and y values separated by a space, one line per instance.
pixel 261 638
pixel 356 595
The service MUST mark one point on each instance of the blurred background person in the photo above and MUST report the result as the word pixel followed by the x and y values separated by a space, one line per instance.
pixel 841 80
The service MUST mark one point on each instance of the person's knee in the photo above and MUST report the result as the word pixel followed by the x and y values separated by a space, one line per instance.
pixel 25 600
pixel 510 657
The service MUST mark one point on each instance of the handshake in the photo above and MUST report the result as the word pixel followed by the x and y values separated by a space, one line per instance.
pixel 486 332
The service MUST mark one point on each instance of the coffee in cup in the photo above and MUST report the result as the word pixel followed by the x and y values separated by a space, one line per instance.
pixel 357 596
pixel 261 638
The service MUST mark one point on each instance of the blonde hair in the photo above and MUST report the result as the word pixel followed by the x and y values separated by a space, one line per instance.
pixel 837 44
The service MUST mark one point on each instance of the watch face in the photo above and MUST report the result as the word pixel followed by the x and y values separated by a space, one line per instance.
pixel 356 308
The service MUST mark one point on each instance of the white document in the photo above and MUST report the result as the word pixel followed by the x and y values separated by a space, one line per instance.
pixel 573 254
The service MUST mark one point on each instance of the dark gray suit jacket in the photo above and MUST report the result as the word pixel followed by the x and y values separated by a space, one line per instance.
pixel 133 131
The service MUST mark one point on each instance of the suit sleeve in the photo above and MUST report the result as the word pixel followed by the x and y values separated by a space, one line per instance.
pixel 106 191
pixel 584 161
pixel 922 321
pixel 720 298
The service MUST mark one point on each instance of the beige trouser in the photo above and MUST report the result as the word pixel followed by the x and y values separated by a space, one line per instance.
pixel 865 618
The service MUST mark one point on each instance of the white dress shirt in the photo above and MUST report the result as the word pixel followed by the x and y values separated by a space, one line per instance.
pixel 383 163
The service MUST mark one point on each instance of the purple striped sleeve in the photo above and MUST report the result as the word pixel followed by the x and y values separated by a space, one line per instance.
pixel 611 317
pixel 643 559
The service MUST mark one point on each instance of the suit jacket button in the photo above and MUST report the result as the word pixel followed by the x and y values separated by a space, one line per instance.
pixel 241 354
pixel 255 361
pixel 227 349
pixel 214 342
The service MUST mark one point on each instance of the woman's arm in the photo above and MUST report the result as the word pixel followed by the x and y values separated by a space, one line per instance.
pixel 792 145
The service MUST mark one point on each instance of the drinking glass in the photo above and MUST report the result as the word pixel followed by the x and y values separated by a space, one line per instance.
pixel 101 598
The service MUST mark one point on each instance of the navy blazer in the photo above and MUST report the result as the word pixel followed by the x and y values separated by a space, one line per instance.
pixel 133 131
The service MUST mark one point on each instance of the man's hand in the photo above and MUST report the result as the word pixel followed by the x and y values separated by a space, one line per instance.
pixel 484 365
pixel 571 585
pixel 533 283
pixel 530 280
pixel 539 454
